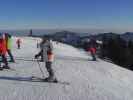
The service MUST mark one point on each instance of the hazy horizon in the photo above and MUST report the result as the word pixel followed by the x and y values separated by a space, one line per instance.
pixel 53 30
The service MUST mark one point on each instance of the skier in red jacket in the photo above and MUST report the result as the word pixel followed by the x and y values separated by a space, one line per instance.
pixel 18 43
pixel 92 50
pixel 3 51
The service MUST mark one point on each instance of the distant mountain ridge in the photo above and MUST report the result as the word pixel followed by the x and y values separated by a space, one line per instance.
pixel 127 36
pixel 64 33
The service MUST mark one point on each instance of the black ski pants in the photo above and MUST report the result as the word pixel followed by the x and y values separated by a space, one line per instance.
pixel 4 60
pixel 49 69
pixel 10 55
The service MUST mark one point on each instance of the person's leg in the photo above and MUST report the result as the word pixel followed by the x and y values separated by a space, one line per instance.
pixel 51 76
pixel 1 62
pixel 18 46
pixel 93 57
pixel 11 56
pixel 49 69
pixel 4 60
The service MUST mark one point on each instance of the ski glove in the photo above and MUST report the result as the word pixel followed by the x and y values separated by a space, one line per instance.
pixel 36 56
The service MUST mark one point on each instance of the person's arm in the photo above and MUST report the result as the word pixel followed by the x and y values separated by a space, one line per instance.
pixel 39 54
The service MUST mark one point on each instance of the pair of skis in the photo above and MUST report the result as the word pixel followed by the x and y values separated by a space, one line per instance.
pixel 39 79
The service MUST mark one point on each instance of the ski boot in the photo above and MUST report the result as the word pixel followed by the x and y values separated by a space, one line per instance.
pixel 1 68
pixel 50 79
pixel 6 67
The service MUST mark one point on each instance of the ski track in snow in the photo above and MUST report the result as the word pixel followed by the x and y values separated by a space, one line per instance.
pixel 88 80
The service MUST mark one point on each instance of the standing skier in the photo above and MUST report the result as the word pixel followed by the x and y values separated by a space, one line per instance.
pixel 18 43
pixel 3 52
pixel 93 52
pixel 92 48
pixel 8 46
pixel 47 53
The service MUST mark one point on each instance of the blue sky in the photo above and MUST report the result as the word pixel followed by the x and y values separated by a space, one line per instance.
pixel 91 14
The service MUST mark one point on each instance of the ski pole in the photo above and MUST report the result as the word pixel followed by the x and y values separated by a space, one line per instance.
pixel 40 68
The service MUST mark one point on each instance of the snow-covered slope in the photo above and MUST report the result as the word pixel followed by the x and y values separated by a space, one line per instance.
pixel 88 80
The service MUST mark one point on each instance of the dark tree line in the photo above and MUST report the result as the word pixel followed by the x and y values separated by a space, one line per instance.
pixel 119 51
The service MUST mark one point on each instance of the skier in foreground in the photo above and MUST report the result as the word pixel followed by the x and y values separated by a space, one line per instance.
pixel 47 53
pixel 3 51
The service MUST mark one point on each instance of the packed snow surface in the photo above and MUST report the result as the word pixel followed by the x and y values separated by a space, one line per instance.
pixel 89 80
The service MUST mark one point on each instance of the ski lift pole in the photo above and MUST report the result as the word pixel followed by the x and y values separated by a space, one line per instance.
pixel 40 68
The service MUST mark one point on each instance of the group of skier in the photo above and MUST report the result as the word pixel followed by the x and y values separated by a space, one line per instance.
pixel 5 48
pixel 45 53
